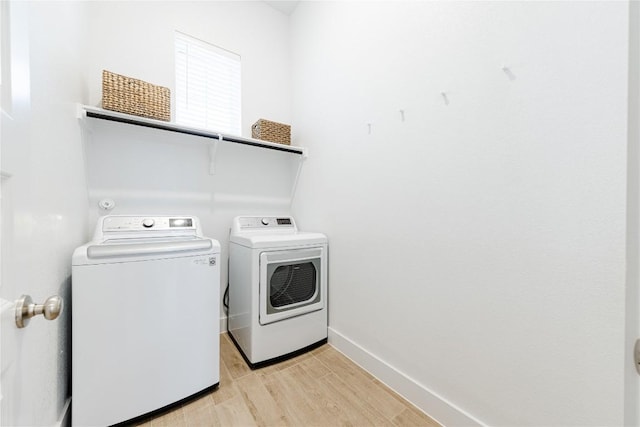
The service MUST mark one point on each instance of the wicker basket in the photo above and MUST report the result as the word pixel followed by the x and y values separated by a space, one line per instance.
pixel 133 96
pixel 271 131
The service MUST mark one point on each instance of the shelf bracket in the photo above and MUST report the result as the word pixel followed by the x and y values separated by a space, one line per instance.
pixel 213 150
pixel 301 160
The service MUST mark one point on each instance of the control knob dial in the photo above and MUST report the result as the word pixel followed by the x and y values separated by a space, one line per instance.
pixel 265 221
pixel 148 223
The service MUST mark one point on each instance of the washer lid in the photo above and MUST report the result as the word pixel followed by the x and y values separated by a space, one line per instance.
pixel 127 250
pixel 278 240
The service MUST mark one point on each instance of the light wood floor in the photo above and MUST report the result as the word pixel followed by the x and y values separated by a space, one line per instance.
pixel 319 388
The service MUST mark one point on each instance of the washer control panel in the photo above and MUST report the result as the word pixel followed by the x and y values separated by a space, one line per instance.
pixel 262 222
pixel 142 223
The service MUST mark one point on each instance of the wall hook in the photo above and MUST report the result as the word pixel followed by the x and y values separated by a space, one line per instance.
pixel 402 115
pixel 369 127
pixel 508 72
pixel 445 98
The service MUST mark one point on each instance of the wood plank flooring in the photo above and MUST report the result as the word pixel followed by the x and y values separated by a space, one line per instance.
pixel 318 388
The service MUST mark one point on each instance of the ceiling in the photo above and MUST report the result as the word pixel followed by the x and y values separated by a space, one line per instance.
pixel 285 6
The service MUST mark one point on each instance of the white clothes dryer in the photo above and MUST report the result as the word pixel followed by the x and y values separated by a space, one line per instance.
pixel 145 318
pixel 277 289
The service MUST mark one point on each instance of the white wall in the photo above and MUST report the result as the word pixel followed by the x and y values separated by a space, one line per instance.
pixel 153 172
pixel 137 39
pixel 43 200
pixel 478 247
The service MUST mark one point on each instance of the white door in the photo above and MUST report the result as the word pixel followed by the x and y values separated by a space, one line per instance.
pixel 30 360
pixel 13 129
pixel 44 201
pixel 632 321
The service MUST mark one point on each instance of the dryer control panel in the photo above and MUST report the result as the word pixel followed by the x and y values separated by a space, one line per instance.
pixel 262 222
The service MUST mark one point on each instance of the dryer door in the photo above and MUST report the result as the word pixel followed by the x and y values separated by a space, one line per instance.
pixel 290 283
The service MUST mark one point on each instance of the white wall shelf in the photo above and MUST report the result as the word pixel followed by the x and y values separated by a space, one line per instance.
pixel 99 113
pixel 89 115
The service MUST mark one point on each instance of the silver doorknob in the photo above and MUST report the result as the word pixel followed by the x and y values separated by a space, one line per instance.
pixel 26 309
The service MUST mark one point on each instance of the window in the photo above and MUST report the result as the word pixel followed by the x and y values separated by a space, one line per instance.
pixel 207 86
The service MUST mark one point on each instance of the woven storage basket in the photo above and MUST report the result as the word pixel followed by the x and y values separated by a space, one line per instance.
pixel 133 96
pixel 271 131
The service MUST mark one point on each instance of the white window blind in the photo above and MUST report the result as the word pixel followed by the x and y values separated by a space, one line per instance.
pixel 207 86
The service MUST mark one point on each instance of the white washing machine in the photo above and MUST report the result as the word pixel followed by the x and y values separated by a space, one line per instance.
pixel 145 317
pixel 277 288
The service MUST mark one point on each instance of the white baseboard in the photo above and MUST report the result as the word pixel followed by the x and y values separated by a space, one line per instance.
pixel 223 324
pixel 65 415
pixel 426 400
